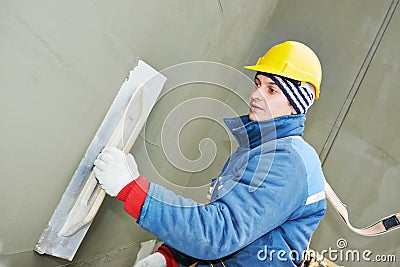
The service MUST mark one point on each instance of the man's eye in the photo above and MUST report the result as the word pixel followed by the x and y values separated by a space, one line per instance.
pixel 272 90
pixel 257 85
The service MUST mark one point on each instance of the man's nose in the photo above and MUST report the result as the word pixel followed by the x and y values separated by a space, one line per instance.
pixel 256 93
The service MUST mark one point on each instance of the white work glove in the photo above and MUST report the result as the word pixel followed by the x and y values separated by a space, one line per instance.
pixel 114 170
pixel 154 260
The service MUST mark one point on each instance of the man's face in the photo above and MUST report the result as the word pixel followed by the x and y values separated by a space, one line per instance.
pixel 267 101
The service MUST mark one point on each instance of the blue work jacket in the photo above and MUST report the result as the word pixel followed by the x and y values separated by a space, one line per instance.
pixel 266 203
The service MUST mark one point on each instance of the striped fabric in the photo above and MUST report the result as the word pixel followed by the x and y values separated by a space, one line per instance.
pixel 300 94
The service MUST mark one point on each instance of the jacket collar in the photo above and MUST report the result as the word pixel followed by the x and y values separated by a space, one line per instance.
pixel 253 133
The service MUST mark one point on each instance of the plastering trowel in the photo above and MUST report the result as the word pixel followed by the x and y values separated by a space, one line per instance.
pixel 83 197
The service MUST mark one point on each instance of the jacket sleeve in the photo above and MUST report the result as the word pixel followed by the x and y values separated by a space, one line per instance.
pixel 238 217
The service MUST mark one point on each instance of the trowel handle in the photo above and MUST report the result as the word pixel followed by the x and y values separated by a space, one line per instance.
pixel 92 195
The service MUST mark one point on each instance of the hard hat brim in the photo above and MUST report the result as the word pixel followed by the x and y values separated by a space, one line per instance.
pixel 279 72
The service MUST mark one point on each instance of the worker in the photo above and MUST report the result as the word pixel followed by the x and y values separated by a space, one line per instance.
pixel 268 199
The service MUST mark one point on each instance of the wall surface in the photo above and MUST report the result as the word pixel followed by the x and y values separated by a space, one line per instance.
pixel 62 63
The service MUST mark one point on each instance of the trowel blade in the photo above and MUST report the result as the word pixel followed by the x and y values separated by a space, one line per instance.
pixel 51 241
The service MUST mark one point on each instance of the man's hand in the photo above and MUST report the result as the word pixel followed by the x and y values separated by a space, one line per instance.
pixel 114 169
pixel 153 260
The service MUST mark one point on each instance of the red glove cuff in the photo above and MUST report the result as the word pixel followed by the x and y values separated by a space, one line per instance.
pixel 134 195
pixel 168 255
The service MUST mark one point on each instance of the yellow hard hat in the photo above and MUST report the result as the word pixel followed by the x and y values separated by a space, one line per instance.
pixel 293 60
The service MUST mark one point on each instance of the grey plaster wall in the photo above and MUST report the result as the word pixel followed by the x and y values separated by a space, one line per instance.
pixel 63 62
